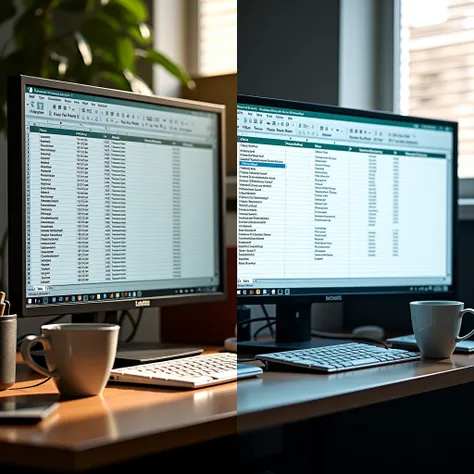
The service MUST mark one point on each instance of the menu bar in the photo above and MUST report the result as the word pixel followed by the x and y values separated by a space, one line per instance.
pixel 339 129
pixel 118 114
pixel 347 118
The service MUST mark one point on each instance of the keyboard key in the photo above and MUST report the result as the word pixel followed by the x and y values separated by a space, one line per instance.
pixel 368 360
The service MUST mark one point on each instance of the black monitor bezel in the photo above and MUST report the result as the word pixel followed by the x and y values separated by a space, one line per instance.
pixel 373 292
pixel 16 200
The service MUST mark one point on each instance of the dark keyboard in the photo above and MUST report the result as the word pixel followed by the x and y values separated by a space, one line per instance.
pixel 339 357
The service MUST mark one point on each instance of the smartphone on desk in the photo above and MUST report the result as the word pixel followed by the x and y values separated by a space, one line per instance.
pixel 26 409
pixel 409 342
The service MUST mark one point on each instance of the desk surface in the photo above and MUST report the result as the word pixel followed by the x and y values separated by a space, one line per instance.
pixel 130 421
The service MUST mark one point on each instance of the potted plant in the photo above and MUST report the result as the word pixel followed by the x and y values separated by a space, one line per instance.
pixel 95 42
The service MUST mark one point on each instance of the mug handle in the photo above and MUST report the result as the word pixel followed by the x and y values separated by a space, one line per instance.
pixel 469 334
pixel 26 354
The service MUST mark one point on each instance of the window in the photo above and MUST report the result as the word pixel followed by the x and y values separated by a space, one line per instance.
pixel 437 67
pixel 217 37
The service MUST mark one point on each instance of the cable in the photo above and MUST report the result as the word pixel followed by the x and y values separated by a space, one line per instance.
pixel 31 386
pixel 269 325
pixel 327 335
pixel 262 328
pixel 122 317
pixel 135 325
pixel 270 320
pixel 254 320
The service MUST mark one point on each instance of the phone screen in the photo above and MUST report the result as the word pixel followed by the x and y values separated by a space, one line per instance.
pixel 27 408
pixel 14 406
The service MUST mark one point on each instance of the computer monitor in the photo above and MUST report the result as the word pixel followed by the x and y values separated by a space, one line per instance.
pixel 115 199
pixel 335 204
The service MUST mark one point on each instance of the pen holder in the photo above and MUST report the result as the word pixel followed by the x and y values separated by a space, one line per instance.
pixel 8 330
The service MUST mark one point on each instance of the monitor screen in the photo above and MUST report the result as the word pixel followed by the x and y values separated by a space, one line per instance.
pixel 122 198
pixel 335 201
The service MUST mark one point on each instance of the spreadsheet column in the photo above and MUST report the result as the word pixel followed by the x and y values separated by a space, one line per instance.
pixel 91 209
pixel 33 209
pixel 332 220
pixel 261 209
pixel 198 250
pixel 118 200
pixel 396 206
pixel 150 213
pixel 299 242
pixel 422 206
pixel 107 211
pixel 176 205
pixel 58 206
pixel 371 210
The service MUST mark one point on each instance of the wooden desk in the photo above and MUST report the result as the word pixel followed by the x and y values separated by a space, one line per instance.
pixel 289 397
pixel 126 422
pixel 131 422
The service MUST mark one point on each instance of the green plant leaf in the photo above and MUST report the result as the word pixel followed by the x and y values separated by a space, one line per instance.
pixel 102 32
pixel 120 14
pixel 155 57
pixel 125 53
pixel 115 79
pixel 7 10
pixel 137 8
pixel 140 33
pixel 137 84
pixel 106 57
pixel 84 48
pixel 106 38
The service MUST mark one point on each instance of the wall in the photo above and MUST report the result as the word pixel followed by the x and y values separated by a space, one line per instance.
pixel 289 52
pixel 169 37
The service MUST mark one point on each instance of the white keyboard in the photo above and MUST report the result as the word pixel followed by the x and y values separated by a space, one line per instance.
pixel 338 357
pixel 187 372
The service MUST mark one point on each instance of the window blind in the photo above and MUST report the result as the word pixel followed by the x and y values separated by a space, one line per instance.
pixel 437 67
pixel 217 37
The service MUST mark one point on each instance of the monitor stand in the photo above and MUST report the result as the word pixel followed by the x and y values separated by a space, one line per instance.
pixel 130 353
pixel 292 332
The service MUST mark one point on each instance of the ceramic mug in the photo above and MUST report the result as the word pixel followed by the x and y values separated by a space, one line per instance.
pixel 79 356
pixel 436 325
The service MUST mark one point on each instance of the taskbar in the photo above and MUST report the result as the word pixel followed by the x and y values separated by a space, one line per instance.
pixel 116 295
pixel 340 291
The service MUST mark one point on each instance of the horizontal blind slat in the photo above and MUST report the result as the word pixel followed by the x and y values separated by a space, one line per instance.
pixel 217 48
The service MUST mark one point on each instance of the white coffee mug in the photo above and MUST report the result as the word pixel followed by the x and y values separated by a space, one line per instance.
pixel 436 325
pixel 79 356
